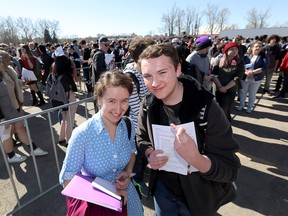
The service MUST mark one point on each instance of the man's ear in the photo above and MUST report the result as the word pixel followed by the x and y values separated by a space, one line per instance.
pixel 179 72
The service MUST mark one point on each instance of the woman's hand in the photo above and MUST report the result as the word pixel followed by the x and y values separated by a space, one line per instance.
pixel 123 180
pixel 249 73
pixel 123 194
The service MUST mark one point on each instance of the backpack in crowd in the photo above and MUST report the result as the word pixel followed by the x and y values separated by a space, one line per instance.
pixel 55 91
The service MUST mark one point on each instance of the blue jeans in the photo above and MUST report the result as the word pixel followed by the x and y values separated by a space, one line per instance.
pixel 225 101
pixel 165 204
pixel 249 86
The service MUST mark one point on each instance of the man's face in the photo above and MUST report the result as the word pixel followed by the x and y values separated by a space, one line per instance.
pixel 272 42
pixel 104 46
pixel 203 51
pixel 160 77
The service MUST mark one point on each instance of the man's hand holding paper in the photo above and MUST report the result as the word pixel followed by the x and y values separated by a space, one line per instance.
pixel 165 139
pixel 184 144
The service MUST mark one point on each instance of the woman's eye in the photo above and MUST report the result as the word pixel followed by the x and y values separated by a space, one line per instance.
pixel 125 101
pixel 111 101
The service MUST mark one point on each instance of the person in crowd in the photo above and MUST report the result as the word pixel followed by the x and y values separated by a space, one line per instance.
pixel 176 99
pixel 214 48
pixel 254 73
pixel 14 60
pixel 76 47
pixel 9 112
pixel 136 47
pixel 199 62
pixel 272 50
pixel 283 50
pixel 47 61
pixel 99 65
pixel 175 42
pixel 62 66
pixel 86 52
pixel 185 67
pixel 76 59
pixel 49 49
pixel 14 85
pixel 99 141
pixel 95 47
pixel 284 70
pixel 242 48
pixel 228 70
pixel 33 48
pixel 28 61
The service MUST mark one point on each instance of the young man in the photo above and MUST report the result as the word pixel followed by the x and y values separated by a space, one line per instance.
pixel 99 64
pixel 176 99
pixel 199 62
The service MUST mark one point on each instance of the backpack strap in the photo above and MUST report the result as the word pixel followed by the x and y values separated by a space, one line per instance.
pixel 135 80
pixel 128 125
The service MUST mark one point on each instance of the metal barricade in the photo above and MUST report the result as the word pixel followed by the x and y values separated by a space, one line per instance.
pixel 84 113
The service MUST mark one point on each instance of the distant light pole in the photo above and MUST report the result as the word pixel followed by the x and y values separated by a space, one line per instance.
pixel 196 27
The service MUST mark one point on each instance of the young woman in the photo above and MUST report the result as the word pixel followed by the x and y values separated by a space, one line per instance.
pixel 228 71
pixel 28 61
pixel 10 112
pixel 62 66
pixel 101 147
pixel 254 73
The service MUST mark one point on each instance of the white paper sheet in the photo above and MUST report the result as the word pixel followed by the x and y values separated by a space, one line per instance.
pixel 28 75
pixel 109 57
pixel 164 137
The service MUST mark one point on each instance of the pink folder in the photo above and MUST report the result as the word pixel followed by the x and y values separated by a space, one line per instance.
pixel 80 187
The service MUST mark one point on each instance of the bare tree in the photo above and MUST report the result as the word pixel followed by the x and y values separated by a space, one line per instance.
pixel 211 17
pixel 190 18
pixel 44 25
pixel 222 18
pixel 198 23
pixel 180 20
pixel 263 18
pixel 27 29
pixel 8 30
pixel 257 19
pixel 170 20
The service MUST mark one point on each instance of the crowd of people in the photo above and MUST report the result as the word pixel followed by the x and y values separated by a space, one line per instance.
pixel 168 83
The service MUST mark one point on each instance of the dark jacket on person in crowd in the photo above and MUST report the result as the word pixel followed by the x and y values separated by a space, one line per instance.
pixel 217 143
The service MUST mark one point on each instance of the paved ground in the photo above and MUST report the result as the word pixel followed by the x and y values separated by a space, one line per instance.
pixel 262 182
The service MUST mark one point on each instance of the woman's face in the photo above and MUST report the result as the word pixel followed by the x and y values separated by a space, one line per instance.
pixel 256 49
pixel 232 52
pixel 23 51
pixel 114 104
